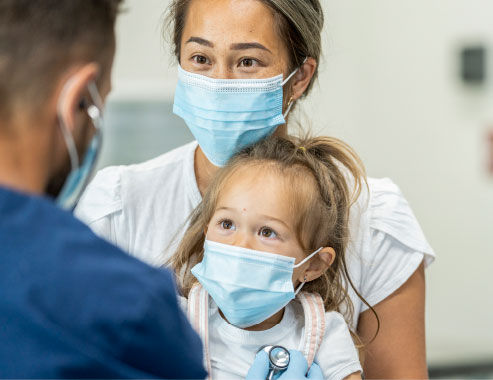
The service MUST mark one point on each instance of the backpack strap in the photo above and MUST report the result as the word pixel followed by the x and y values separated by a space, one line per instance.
pixel 313 308
pixel 198 314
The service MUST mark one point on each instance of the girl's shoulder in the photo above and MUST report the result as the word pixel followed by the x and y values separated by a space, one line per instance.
pixel 337 355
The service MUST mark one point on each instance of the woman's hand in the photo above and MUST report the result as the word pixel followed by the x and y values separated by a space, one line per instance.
pixel 399 349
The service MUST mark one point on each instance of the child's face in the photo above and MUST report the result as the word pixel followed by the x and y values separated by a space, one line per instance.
pixel 253 211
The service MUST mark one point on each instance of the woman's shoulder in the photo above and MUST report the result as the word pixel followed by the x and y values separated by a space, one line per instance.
pixel 391 214
pixel 115 185
pixel 387 243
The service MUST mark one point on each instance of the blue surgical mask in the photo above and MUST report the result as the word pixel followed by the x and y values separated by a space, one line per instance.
pixel 248 286
pixel 227 115
pixel 81 172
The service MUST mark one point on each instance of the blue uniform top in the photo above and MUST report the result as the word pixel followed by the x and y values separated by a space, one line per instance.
pixel 74 306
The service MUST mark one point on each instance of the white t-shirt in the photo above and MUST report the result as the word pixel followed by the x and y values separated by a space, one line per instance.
pixel 232 350
pixel 144 208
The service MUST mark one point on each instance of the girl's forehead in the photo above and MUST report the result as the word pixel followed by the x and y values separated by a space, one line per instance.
pixel 266 186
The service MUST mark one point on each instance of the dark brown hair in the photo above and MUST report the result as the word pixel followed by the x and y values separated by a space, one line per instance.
pixel 41 38
pixel 328 177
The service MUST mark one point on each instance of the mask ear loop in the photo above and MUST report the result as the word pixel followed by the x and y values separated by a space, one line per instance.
pixel 291 102
pixel 294 72
pixel 300 264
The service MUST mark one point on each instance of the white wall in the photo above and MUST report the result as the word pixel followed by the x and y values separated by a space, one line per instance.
pixel 143 66
pixel 389 86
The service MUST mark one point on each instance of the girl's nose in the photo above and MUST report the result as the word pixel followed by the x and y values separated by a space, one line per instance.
pixel 243 240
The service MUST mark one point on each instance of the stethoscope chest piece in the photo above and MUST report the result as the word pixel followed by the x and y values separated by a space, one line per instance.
pixel 278 359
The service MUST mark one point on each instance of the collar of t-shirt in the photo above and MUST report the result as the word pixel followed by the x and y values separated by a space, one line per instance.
pixel 232 333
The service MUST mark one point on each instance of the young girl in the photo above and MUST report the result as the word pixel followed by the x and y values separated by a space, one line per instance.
pixel 273 222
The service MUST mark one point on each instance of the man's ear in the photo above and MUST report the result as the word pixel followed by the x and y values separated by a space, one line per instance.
pixel 303 77
pixel 73 94
pixel 318 265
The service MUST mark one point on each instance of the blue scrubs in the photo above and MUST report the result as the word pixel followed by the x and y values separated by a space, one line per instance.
pixel 74 306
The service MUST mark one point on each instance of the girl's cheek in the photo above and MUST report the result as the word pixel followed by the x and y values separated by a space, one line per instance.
pixel 219 235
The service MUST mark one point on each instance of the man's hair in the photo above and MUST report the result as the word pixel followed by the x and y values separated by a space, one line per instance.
pixel 40 39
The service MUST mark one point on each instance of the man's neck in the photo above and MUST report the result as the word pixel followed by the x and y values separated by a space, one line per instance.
pixel 22 166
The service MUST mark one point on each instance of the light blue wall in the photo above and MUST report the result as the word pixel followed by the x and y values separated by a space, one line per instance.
pixel 136 131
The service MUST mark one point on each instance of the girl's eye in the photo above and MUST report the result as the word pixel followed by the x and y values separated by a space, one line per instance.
pixel 226 224
pixel 200 59
pixel 268 233
pixel 248 62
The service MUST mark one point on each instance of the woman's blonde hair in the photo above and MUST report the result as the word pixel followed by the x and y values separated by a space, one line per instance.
pixel 324 176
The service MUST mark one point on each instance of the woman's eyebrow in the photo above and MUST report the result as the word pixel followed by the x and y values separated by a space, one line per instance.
pixel 200 41
pixel 248 45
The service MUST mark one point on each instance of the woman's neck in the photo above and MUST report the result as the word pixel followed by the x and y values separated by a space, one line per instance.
pixel 265 325
pixel 204 170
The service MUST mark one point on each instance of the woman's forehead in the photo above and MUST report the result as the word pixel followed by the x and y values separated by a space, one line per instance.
pixel 224 23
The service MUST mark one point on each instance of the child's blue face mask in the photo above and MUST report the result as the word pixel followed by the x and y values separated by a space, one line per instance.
pixel 248 286
pixel 227 115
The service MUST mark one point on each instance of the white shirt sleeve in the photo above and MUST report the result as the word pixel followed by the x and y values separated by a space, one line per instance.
pixel 397 244
pixel 337 355
pixel 100 207
pixel 391 266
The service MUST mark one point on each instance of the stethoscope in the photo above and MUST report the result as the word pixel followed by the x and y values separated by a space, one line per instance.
pixel 278 359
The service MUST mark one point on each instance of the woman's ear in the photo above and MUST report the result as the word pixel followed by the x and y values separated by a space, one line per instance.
pixel 318 265
pixel 303 77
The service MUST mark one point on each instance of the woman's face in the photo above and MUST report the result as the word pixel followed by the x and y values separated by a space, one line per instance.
pixel 232 39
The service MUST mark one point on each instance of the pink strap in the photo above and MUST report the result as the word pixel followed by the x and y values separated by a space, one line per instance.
pixel 313 308
pixel 198 314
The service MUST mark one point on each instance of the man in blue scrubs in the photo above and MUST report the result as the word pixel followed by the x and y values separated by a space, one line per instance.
pixel 71 305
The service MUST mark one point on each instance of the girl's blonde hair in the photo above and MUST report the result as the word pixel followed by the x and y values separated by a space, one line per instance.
pixel 324 176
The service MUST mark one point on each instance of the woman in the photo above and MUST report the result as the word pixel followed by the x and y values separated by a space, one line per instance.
pixel 142 208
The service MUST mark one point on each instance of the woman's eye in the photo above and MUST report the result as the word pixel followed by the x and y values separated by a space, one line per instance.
pixel 226 224
pixel 267 232
pixel 200 59
pixel 248 62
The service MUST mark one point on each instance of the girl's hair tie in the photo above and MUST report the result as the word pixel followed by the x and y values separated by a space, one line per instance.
pixel 302 148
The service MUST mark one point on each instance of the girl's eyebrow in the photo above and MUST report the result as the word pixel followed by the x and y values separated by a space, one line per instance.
pixel 266 217
pixel 225 208
pixel 274 220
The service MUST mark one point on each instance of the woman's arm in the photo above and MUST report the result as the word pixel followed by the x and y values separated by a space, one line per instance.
pixel 399 349
pixel 354 376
